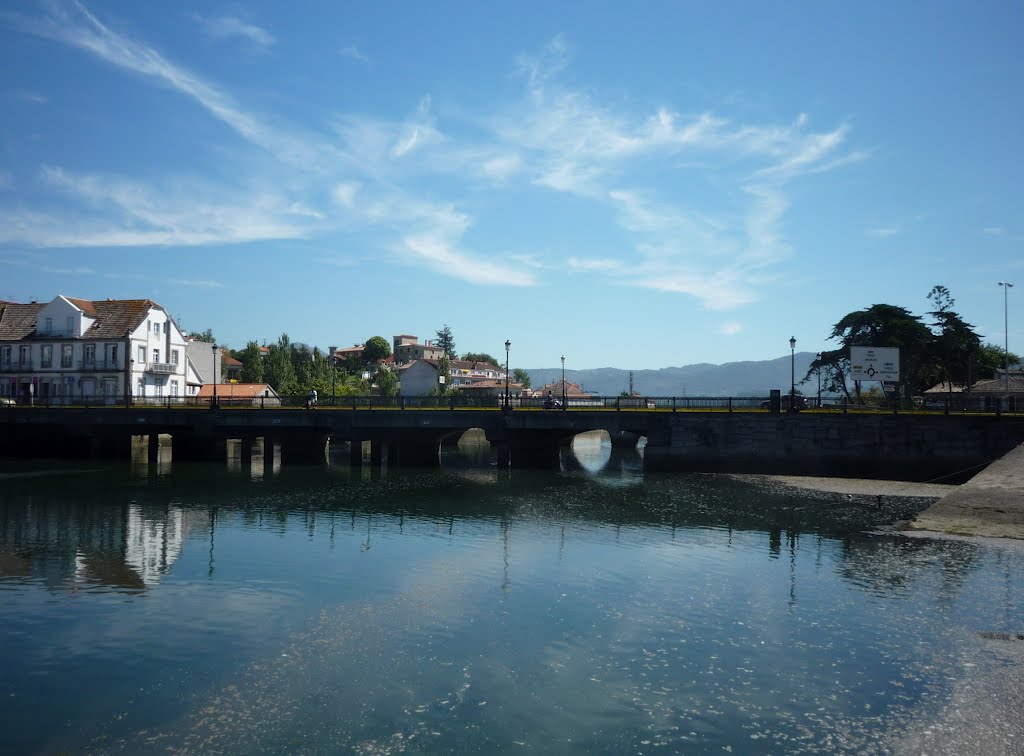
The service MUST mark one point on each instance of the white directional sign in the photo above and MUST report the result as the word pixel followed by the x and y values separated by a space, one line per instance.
pixel 875 363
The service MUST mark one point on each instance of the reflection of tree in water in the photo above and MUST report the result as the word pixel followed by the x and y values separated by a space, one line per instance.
pixel 892 565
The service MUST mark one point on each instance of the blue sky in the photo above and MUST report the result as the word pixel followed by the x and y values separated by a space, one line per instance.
pixel 633 185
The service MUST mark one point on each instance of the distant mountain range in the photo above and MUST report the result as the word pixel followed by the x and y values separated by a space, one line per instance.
pixel 730 379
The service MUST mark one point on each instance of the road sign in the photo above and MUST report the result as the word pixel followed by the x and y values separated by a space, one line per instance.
pixel 875 363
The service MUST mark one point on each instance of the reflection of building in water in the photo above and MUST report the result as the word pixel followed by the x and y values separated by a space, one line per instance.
pixel 151 546
pixel 130 546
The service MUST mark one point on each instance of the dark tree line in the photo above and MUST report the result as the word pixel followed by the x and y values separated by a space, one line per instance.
pixel 944 349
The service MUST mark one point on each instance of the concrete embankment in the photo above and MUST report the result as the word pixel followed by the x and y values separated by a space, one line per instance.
pixel 989 504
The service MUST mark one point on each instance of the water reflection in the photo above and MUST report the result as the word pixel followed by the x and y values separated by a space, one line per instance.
pixel 337 609
pixel 69 546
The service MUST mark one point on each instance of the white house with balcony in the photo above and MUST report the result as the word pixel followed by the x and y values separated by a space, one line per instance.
pixel 73 350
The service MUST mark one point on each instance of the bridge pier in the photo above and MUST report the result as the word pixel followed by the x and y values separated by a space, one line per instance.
pixel 269 449
pixel 355 452
pixel 378 452
pixel 536 449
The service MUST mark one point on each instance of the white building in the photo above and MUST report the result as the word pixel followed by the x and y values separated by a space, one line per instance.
pixel 72 350
pixel 422 376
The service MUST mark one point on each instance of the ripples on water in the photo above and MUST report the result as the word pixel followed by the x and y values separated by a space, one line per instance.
pixel 470 609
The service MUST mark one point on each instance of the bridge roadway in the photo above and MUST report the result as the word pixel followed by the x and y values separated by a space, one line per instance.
pixel 908 446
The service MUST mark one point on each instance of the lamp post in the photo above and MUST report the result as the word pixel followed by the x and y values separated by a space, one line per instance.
pixel 563 381
pixel 792 373
pixel 213 353
pixel 508 344
pixel 1006 337
pixel 131 377
pixel 818 357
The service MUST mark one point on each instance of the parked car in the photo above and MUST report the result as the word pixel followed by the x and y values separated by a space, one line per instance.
pixel 6 401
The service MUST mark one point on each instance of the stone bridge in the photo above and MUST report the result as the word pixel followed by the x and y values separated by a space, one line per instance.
pixel 908 446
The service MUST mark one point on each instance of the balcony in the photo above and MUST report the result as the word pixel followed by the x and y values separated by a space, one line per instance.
pixel 161 368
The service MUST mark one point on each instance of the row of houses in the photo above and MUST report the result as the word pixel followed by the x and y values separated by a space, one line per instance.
pixel 70 350
pixel 81 349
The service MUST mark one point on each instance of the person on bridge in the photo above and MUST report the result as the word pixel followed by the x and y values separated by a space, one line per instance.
pixel 311 401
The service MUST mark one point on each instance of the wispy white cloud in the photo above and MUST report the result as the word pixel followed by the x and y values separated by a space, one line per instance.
pixel 26 95
pixel 353 52
pixel 589 265
pixel 128 213
pixel 993 231
pixel 59 271
pixel 345 193
pixel 647 173
pixel 416 132
pixel 883 231
pixel 227 27
pixel 730 328
pixel 78 27
pixel 439 254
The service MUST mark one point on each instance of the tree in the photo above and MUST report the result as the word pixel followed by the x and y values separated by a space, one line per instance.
pixel 446 341
pixel 955 345
pixel 443 370
pixel 522 377
pixel 376 349
pixel 946 350
pixel 883 325
pixel 206 336
pixel 992 357
pixel 387 381
pixel 252 363
pixel 480 357
pixel 278 370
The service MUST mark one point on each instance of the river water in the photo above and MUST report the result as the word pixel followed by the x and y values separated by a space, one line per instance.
pixel 207 609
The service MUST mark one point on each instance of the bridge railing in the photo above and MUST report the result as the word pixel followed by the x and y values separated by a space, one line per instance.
pixel 227 400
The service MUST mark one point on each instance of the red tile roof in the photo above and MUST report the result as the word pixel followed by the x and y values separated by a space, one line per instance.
pixel 115 318
pixel 236 390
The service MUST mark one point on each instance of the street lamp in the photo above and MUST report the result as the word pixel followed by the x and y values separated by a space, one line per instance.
pixel 1006 337
pixel 213 350
pixel 563 381
pixel 792 373
pixel 818 357
pixel 508 344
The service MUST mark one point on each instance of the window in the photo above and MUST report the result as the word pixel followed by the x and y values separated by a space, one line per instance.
pixel 156 328
pixel 48 328
pixel 159 389
pixel 174 388
pixel 113 355
pixel 26 356
pixel 90 355
pixel 47 356
pixel 174 356
pixel 142 387
pixel 5 356
pixel 70 323
pixel 142 355
pixel 156 355
pixel 66 352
